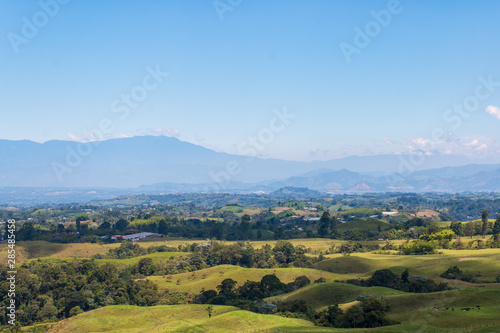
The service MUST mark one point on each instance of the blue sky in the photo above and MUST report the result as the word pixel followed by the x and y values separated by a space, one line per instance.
pixel 228 77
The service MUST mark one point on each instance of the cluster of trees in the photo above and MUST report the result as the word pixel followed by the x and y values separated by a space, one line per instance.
pixel 283 254
pixel 128 250
pixel 455 273
pixel 370 313
pixel 213 253
pixel 472 228
pixel 417 247
pixel 228 294
pixel 48 291
pixel 405 282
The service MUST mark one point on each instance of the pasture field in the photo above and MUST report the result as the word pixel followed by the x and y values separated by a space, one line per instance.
pixel 26 250
pixel 194 318
pixel 321 295
pixel 364 225
pixel 175 318
pixel 210 278
pixel 39 249
pixel 485 262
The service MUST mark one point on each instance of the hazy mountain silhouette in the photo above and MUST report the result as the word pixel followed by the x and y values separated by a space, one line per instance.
pixel 150 160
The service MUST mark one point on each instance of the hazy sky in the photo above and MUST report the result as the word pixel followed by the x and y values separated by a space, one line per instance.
pixel 355 77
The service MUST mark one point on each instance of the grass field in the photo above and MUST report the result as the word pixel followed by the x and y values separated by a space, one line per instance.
pixel 174 318
pixel 321 295
pixel 420 307
pixel 486 262
pixel 364 225
pixel 210 278
pixel 40 249
pixel 194 318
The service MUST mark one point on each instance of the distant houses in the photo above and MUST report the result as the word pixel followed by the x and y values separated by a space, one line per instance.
pixel 311 218
pixel 389 213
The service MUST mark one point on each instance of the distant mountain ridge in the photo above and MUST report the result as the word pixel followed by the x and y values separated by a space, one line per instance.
pixel 159 163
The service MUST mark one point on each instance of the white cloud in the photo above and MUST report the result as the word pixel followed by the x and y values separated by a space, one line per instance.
pixel 319 152
pixel 482 147
pixel 173 132
pixel 493 111
pixel 420 141
pixel 473 143
pixel 387 140
pixel 160 131
pixel 74 137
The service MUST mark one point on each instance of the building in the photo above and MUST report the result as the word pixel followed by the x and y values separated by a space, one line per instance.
pixel 141 235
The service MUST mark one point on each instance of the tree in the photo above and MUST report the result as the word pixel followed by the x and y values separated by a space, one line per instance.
pixel 209 310
pixel 354 317
pixel 324 224
pixel 470 228
pixel 146 266
pixel 284 252
pixel 457 228
pixel 121 224
pixel 227 287
pixel 271 284
pixel 60 228
pixel 104 226
pixel 330 316
pixel 245 227
pixel 162 227
pixel 81 218
pixel 484 218
pixel 333 227
pixel 496 226
pixel 404 276
pixel 75 311
pixel 27 232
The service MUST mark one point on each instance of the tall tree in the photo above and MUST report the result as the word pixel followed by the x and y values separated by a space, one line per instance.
pixel 496 226
pixel 484 218
pixel 470 228
pixel 324 224
pixel 162 227
pixel 245 227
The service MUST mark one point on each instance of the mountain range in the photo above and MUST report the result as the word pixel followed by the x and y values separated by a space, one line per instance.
pixel 157 164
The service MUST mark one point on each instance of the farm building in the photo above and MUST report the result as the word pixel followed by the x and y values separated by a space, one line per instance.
pixel 142 235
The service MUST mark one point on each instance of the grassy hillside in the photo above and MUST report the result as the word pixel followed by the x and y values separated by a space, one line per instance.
pixel 40 249
pixel 426 311
pixel 174 318
pixel 420 308
pixel 194 318
pixel 485 262
pixel 321 295
pixel 210 278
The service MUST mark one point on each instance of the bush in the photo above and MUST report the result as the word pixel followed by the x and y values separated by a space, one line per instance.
pixel 418 247
pixel 455 273
pixel 75 311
